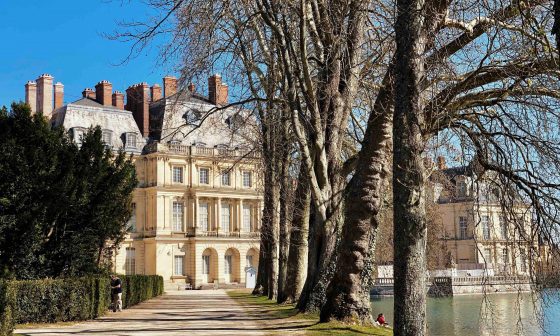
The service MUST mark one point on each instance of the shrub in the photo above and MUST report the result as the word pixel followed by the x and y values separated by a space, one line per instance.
pixel 68 299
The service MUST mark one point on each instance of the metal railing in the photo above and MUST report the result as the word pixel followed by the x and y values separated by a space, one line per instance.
pixel 201 151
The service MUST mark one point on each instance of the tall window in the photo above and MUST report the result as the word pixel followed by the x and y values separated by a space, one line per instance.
pixel 203 176
pixel 461 188
pixel 246 218
pixel 205 264
pixel 130 261
pixel 225 223
pixel 227 264
pixel 132 220
pixel 504 227
pixel 463 227
pixel 522 260
pixel 488 255
pixel 226 180
pixel 178 216
pixel 249 261
pixel 505 256
pixel 247 179
pixel 178 270
pixel 203 216
pixel 178 174
pixel 485 221
pixel 78 135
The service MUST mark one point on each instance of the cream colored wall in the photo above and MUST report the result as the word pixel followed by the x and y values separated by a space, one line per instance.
pixel 472 250
pixel 154 199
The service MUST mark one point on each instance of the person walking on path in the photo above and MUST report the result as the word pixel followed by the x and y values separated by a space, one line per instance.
pixel 116 292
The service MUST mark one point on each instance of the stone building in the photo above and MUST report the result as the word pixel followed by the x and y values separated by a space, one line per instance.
pixel 197 208
pixel 477 233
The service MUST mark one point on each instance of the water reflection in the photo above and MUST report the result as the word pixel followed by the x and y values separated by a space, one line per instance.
pixel 494 314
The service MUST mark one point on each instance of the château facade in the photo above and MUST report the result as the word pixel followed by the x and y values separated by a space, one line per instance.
pixel 474 228
pixel 197 207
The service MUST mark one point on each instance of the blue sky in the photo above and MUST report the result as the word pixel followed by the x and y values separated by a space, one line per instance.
pixel 63 38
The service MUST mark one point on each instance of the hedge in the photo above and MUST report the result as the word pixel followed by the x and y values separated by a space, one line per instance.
pixel 69 299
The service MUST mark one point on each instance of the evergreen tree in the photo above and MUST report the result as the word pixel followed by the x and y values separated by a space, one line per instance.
pixel 62 208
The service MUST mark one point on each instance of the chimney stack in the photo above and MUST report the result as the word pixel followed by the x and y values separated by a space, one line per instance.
pixel 191 87
pixel 441 163
pixel 31 95
pixel 103 92
pixel 88 93
pixel 217 92
pixel 156 92
pixel 58 95
pixel 169 86
pixel 45 94
pixel 138 102
pixel 118 100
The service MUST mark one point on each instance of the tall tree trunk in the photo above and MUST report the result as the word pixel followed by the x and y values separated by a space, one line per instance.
pixel 410 233
pixel 284 223
pixel 299 232
pixel 348 296
pixel 321 261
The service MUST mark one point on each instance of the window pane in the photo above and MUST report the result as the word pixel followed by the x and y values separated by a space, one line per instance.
pixel 463 227
pixel 132 220
pixel 131 140
pixel 178 174
pixel 247 179
pixel 178 216
pixel 485 227
pixel 130 261
pixel 206 264
pixel 249 261
pixel 225 223
pixel 226 178
pixel 203 216
pixel 246 218
pixel 227 266
pixel 178 265
pixel 203 176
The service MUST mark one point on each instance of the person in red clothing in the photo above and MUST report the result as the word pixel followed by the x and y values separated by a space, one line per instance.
pixel 381 320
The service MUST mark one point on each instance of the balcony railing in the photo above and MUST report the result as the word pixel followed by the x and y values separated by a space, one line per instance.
pixel 201 151
pixel 192 232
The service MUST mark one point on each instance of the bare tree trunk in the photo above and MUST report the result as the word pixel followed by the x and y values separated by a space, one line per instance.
pixel 410 230
pixel 299 232
pixel 348 296
pixel 284 224
pixel 321 262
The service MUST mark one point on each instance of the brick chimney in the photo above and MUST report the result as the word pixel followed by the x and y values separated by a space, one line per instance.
pixel 118 100
pixel 156 92
pixel 45 94
pixel 191 88
pixel 441 163
pixel 103 92
pixel 58 95
pixel 169 86
pixel 31 95
pixel 217 92
pixel 88 93
pixel 138 102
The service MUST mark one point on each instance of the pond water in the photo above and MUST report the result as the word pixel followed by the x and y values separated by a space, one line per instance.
pixel 493 314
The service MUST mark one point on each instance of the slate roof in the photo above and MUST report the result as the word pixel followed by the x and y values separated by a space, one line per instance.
pixel 86 113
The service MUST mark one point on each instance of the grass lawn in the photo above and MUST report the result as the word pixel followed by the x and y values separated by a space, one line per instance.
pixel 309 322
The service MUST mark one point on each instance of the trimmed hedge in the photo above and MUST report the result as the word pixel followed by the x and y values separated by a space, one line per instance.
pixel 70 299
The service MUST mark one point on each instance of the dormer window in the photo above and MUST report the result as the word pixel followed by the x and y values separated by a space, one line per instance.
pixel 199 144
pixel 174 142
pixel 131 140
pixel 106 137
pixel 78 135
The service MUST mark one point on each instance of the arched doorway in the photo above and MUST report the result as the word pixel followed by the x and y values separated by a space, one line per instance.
pixel 209 265
pixel 232 267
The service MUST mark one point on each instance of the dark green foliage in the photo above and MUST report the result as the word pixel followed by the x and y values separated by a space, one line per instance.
pixel 71 299
pixel 60 205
